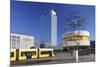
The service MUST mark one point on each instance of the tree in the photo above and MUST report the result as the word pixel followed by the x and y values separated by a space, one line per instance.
pixel 32 47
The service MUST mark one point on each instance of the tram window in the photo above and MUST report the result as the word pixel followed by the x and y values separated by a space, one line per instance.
pixel 23 54
pixel 45 52
pixel 11 54
pixel 28 53
pixel 34 53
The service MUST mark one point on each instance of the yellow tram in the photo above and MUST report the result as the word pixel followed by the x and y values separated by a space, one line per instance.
pixel 45 52
pixel 24 54
pixel 27 54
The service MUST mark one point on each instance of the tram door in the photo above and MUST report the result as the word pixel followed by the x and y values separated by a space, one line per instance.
pixel 17 54
pixel 50 53
pixel 29 55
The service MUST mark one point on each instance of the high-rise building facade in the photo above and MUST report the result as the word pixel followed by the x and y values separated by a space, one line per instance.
pixel 53 28
pixel 19 41
pixel 48 26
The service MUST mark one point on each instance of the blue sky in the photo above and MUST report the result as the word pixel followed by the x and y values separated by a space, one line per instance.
pixel 25 17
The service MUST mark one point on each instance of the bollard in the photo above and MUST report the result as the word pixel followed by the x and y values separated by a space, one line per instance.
pixel 75 54
pixel 77 58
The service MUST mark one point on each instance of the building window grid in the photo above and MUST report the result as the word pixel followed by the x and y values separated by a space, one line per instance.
pixel 15 42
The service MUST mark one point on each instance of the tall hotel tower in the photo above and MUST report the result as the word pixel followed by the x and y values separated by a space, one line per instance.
pixel 53 28
pixel 48 26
